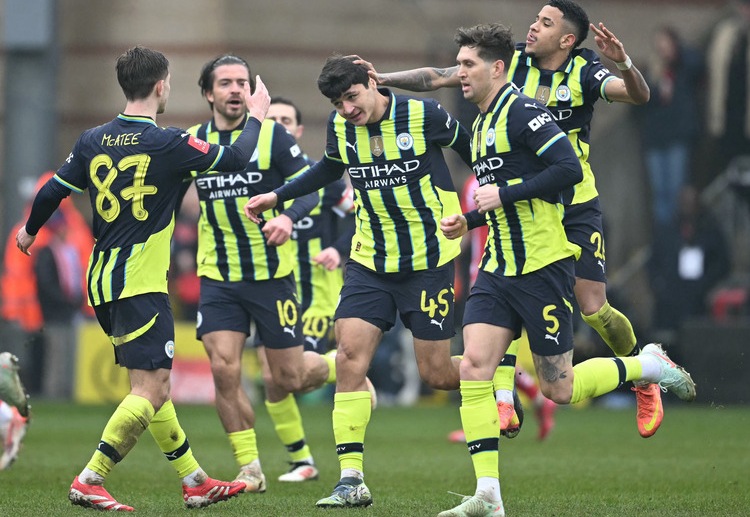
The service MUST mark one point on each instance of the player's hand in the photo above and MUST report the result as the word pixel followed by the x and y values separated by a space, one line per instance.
pixel 329 258
pixel 609 46
pixel 454 226
pixel 487 198
pixel 278 230
pixel 370 69
pixel 24 240
pixel 257 102
pixel 256 205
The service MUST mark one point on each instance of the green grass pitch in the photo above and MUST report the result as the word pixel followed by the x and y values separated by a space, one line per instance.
pixel 594 464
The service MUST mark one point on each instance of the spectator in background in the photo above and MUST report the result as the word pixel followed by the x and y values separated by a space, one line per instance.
pixel 689 258
pixel 19 300
pixel 727 102
pixel 183 277
pixel 669 121
pixel 58 272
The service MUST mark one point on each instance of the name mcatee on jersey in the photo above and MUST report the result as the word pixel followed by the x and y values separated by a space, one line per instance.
pixel 121 139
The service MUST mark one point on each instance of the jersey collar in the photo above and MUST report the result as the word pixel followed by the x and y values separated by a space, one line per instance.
pixel 136 118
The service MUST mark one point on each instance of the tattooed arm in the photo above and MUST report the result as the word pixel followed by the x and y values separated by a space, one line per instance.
pixel 421 79
pixel 416 80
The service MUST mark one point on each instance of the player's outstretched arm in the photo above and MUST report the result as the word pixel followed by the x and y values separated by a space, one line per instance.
pixel 416 80
pixel 632 88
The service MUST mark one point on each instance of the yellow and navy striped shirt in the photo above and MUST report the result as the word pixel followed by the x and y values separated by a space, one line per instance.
pixel 134 171
pixel 569 93
pixel 402 185
pixel 515 144
pixel 329 224
pixel 230 247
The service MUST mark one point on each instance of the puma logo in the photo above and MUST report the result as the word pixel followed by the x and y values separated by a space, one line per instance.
pixel 289 330
pixel 438 323
pixel 313 342
pixel 554 338
pixel 354 147
pixel 601 264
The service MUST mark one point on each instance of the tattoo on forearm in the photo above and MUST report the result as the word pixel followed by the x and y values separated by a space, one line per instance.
pixel 419 80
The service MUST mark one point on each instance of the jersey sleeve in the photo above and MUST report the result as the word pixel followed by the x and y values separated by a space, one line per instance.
pixel 595 76
pixel 72 173
pixel 286 154
pixel 332 151
pixel 444 129
pixel 539 132
pixel 194 154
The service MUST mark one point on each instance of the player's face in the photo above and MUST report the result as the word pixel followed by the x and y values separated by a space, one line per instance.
pixel 227 93
pixel 546 33
pixel 476 76
pixel 359 105
pixel 285 115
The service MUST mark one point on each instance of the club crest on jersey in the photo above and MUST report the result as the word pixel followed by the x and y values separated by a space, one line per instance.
pixel 405 141
pixel 169 349
pixel 562 93
pixel 542 94
pixel 490 138
pixel 376 145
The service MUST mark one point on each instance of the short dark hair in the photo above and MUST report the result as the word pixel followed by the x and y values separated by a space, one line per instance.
pixel 138 71
pixel 493 41
pixel 339 73
pixel 284 100
pixel 206 79
pixel 575 16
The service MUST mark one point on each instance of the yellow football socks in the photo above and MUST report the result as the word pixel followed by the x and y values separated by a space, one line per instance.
pixel 245 446
pixel 121 433
pixel 505 374
pixel 351 414
pixel 601 375
pixel 614 328
pixel 171 439
pixel 480 423
pixel 288 424
pixel 330 358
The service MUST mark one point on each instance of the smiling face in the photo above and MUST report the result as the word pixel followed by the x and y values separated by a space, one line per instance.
pixel 227 94
pixel 360 105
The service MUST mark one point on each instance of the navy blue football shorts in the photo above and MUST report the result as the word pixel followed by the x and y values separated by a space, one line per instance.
pixel 583 226
pixel 423 299
pixel 271 304
pixel 539 301
pixel 141 329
